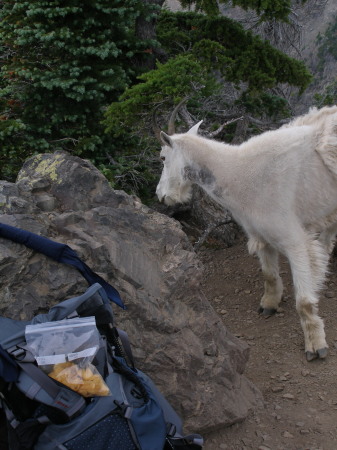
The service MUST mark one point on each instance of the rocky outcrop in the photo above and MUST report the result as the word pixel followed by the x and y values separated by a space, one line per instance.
pixel 176 336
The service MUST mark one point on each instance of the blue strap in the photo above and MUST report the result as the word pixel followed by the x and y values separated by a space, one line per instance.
pixel 61 253
pixel 9 370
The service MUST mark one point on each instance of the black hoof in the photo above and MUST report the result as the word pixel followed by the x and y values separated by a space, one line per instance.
pixel 311 356
pixel 266 311
pixel 322 353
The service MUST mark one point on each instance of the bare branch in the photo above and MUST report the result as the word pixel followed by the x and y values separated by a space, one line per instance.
pixel 185 114
pixel 74 141
pixel 208 231
pixel 218 131
pixel 110 159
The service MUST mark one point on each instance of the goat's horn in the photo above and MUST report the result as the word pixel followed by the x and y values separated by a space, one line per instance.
pixel 171 126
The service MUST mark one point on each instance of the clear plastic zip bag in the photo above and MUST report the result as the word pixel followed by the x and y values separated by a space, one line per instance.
pixel 65 349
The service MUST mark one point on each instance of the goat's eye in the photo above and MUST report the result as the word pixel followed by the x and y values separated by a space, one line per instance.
pixel 162 158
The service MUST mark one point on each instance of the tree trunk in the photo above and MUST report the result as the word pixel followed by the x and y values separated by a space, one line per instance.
pixel 146 29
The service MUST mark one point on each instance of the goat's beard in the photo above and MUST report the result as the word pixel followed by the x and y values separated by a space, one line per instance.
pixel 183 197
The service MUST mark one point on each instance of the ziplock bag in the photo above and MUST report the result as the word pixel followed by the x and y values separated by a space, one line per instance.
pixel 65 350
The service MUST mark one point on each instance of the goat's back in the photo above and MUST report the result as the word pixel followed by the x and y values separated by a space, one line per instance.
pixel 315 116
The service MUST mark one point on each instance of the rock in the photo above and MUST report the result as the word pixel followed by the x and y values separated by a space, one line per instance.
pixel 288 396
pixel 329 294
pixel 207 212
pixel 177 337
pixel 277 389
pixel 287 435
pixel 300 424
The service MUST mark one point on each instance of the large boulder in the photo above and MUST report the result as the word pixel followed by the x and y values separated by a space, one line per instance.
pixel 176 336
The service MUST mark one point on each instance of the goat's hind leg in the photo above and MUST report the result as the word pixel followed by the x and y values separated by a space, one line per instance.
pixel 273 286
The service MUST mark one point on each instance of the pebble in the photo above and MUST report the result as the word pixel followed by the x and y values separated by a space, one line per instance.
pixel 288 396
pixel 329 294
pixel 277 389
pixel 288 435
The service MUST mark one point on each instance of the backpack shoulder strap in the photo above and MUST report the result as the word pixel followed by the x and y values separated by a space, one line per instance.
pixel 37 385
pixel 60 253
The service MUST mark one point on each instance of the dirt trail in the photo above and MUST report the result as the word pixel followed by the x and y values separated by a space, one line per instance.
pixel 300 410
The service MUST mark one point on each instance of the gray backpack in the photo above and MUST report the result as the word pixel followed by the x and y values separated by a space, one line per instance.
pixel 43 414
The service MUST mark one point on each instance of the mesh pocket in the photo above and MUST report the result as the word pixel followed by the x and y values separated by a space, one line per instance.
pixel 111 433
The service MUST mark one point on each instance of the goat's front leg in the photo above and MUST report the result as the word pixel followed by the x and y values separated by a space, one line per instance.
pixel 273 286
pixel 308 262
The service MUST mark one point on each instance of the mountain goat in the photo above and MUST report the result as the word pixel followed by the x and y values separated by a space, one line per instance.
pixel 281 187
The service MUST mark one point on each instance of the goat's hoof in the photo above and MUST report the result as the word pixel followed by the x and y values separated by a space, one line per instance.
pixel 311 356
pixel 322 352
pixel 266 311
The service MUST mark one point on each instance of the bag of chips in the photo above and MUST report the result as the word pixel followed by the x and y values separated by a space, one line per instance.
pixel 65 350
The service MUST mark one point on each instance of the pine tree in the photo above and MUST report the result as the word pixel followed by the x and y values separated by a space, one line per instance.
pixel 63 62
pixel 204 52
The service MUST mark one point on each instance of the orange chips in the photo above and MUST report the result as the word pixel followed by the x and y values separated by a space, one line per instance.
pixel 86 381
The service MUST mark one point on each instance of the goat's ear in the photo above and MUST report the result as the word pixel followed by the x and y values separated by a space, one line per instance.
pixel 195 128
pixel 166 139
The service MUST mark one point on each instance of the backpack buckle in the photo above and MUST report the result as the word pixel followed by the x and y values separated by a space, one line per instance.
pixel 123 409
pixel 20 353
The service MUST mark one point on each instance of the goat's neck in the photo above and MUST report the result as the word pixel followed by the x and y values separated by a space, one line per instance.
pixel 218 171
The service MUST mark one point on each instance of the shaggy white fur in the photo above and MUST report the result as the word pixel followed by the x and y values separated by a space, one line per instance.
pixel 281 187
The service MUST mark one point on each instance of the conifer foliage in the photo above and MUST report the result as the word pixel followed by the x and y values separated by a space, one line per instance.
pixel 74 75
pixel 63 61
pixel 204 52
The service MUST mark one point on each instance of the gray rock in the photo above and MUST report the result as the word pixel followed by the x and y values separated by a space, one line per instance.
pixel 177 337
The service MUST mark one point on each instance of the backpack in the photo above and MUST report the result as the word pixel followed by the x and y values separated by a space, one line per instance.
pixel 41 413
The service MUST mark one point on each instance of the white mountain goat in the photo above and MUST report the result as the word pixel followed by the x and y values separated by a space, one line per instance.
pixel 281 187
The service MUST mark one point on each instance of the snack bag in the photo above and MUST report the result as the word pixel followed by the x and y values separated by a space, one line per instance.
pixel 65 350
